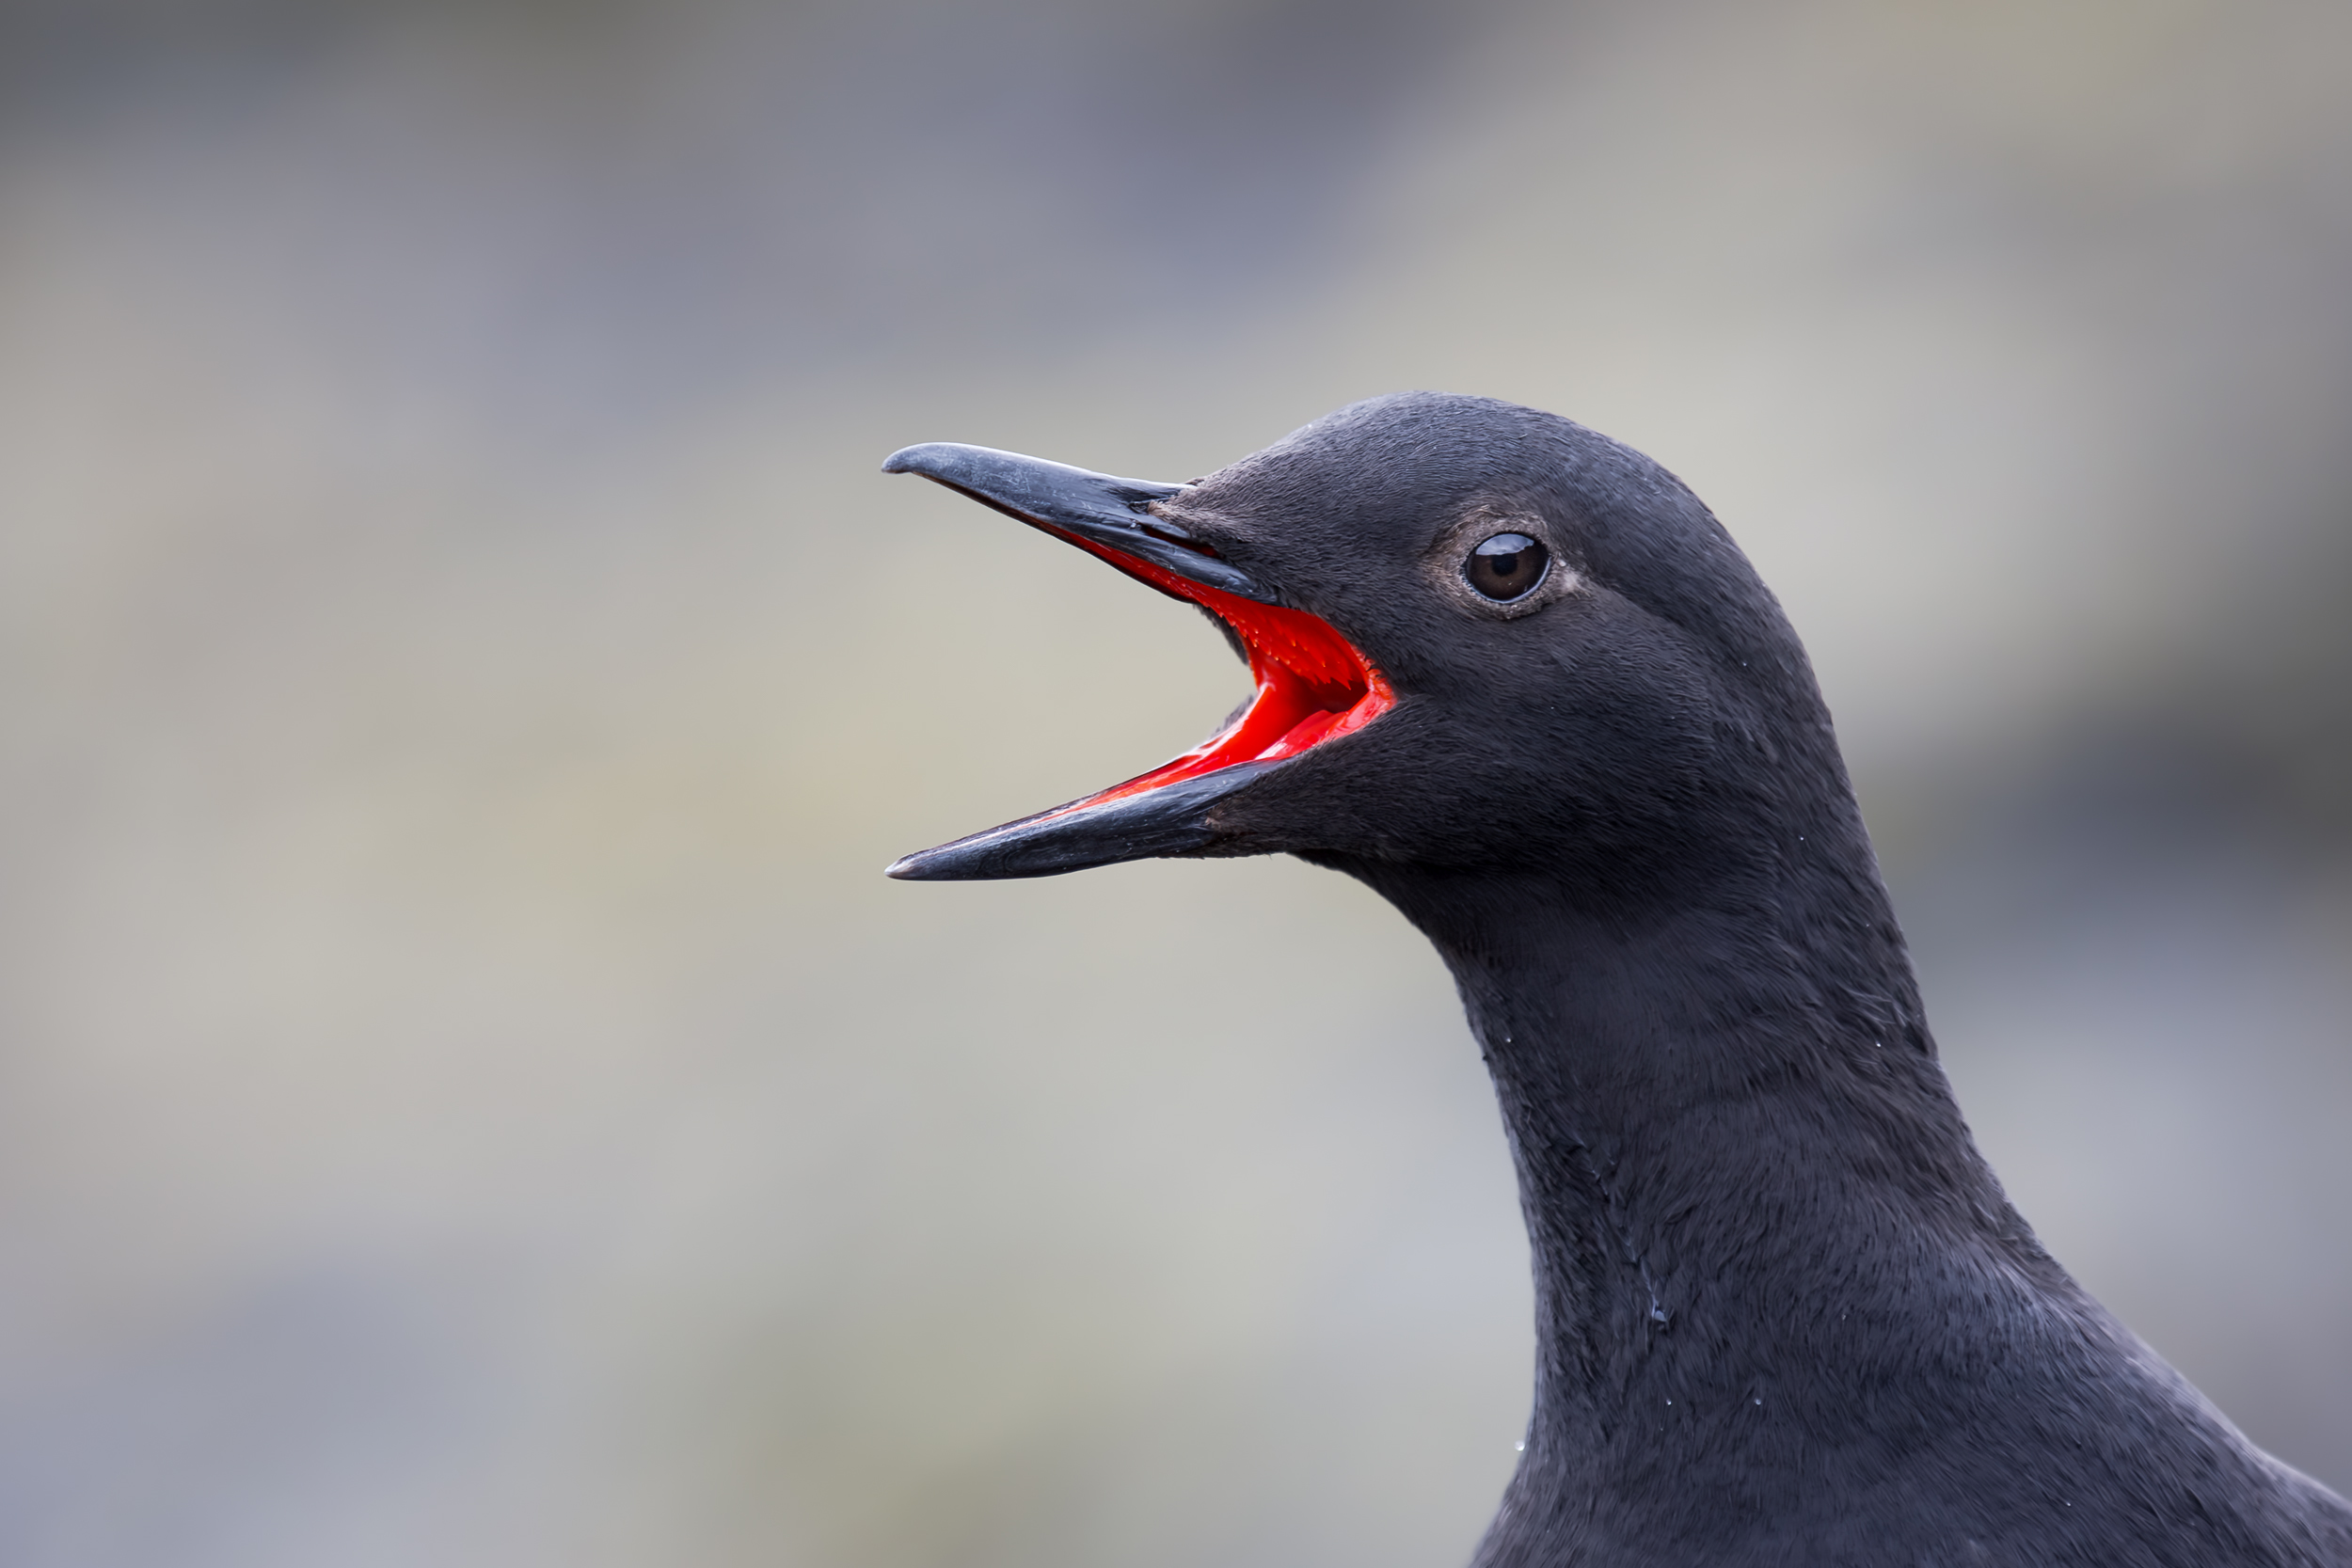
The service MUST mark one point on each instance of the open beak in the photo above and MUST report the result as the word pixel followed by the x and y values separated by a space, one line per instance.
pixel 1313 685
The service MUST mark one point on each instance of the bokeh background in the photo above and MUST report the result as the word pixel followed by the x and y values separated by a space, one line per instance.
pixel 466 1094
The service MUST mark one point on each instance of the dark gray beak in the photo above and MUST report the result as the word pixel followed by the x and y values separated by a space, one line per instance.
pixel 1171 820
pixel 1097 509
pixel 1105 515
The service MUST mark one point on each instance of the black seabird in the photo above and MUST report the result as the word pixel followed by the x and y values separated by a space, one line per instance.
pixel 1519 680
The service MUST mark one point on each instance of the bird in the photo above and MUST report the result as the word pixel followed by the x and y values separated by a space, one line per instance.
pixel 1515 677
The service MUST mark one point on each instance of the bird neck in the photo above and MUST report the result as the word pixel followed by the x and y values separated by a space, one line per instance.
pixel 1736 1153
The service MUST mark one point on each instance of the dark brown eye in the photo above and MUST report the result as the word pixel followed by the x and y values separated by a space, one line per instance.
pixel 1506 566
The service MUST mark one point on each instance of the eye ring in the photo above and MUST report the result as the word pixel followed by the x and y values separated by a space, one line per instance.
pixel 1506 566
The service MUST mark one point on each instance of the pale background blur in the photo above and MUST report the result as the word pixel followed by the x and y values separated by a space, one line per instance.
pixel 467 1095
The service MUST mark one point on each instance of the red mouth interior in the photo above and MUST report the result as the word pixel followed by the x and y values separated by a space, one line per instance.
pixel 1313 686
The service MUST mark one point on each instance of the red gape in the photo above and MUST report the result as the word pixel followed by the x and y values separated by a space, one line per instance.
pixel 1312 684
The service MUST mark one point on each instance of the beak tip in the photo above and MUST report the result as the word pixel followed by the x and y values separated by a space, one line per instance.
pixel 946 862
pixel 924 457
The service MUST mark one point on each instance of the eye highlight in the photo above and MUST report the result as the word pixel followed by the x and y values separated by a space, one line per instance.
pixel 1506 566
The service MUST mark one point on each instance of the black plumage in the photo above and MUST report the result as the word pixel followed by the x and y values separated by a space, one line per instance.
pixel 1785 1314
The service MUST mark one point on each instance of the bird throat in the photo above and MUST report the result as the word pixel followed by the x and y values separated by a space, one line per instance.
pixel 1313 685
pixel 1664 1098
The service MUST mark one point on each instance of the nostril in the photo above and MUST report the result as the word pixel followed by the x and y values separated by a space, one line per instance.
pixel 1175 536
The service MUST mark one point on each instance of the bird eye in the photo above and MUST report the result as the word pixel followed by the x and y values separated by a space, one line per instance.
pixel 1506 566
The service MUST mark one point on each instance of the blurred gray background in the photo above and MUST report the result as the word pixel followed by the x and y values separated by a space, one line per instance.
pixel 467 1095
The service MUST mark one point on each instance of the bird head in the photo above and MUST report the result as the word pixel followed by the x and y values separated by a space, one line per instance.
pixel 1482 638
